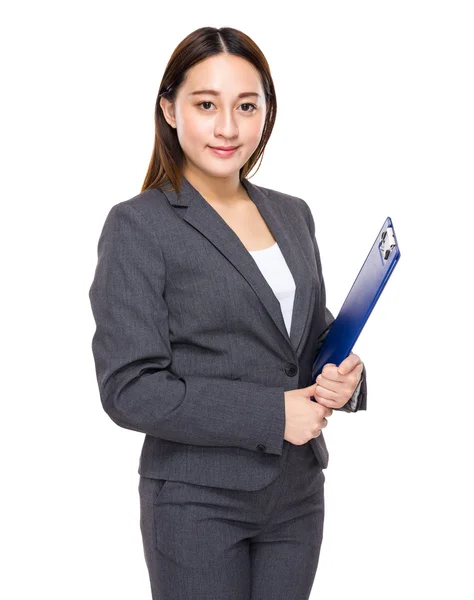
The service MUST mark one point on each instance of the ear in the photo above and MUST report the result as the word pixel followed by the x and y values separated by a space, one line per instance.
pixel 167 106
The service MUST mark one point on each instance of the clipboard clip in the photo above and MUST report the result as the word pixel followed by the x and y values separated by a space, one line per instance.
pixel 387 242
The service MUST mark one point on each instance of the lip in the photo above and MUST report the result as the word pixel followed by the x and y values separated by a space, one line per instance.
pixel 224 150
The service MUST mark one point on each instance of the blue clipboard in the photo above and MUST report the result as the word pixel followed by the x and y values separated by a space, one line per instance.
pixel 360 301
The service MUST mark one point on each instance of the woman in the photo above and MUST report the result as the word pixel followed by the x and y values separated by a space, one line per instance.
pixel 209 303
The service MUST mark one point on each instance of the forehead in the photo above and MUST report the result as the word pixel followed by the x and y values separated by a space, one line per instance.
pixel 224 73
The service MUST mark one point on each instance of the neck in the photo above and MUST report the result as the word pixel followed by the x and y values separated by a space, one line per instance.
pixel 222 190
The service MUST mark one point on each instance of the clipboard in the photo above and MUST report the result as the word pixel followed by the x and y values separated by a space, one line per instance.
pixel 360 301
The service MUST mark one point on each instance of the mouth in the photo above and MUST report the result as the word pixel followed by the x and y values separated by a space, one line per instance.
pixel 224 150
pixel 224 147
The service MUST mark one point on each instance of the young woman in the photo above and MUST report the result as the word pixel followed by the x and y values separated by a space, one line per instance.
pixel 209 302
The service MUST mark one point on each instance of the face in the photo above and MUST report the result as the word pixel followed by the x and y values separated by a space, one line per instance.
pixel 232 115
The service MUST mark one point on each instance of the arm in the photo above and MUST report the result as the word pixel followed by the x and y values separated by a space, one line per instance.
pixel 132 354
pixel 358 401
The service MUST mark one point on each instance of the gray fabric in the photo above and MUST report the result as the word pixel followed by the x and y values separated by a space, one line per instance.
pixel 190 345
pixel 204 542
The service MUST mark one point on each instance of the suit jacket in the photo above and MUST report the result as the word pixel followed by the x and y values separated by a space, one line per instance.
pixel 190 345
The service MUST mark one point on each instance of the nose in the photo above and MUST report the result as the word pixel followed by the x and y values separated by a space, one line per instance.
pixel 226 125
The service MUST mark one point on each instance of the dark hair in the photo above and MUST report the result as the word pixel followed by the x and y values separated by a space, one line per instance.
pixel 167 157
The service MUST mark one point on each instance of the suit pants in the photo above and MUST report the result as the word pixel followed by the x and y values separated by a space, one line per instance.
pixel 208 543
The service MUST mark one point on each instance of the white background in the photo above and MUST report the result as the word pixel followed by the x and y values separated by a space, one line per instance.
pixel 375 119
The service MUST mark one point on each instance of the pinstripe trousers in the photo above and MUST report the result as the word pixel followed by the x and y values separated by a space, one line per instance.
pixel 207 543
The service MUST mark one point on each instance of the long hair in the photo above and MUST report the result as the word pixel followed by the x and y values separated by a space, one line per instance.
pixel 167 157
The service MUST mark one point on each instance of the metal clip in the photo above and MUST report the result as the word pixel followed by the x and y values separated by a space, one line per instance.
pixel 387 242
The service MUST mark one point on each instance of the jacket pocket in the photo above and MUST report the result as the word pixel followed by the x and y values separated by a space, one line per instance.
pixel 160 485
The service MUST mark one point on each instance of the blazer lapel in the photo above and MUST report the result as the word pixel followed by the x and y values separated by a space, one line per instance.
pixel 203 217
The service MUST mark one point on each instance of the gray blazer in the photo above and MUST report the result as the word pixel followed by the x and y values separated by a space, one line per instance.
pixel 190 345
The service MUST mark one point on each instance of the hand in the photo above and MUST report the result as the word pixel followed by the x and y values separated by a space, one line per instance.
pixel 304 419
pixel 335 385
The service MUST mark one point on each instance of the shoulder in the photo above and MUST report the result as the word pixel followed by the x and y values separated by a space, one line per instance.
pixel 136 222
pixel 144 204
pixel 288 202
pixel 147 208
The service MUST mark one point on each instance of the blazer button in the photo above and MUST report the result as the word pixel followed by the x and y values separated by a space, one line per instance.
pixel 291 369
pixel 261 447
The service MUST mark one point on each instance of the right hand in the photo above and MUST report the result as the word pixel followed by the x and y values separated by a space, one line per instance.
pixel 304 418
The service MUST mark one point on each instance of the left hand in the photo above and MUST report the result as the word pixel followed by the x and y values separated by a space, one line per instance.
pixel 336 384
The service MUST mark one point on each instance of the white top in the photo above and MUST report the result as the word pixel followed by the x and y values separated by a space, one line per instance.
pixel 272 264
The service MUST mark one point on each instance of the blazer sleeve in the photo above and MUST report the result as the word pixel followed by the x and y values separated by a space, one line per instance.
pixel 132 354
pixel 358 400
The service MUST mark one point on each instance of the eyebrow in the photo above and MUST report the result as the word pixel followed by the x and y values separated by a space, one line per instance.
pixel 214 93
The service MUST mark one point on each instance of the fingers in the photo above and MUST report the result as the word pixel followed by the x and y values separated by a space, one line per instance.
pixel 324 423
pixel 327 412
pixel 331 373
pixel 349 363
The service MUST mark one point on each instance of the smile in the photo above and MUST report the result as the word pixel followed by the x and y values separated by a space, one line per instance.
pixel 224 153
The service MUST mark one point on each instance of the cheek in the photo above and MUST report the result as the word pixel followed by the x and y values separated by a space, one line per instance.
pixel 252 132
pixel 192 130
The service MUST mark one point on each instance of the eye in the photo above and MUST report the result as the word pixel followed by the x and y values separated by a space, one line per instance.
pixel 245 104
pixel 248 104
pixel 205 102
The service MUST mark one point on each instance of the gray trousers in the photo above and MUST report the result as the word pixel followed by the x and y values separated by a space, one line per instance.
pixel 206 543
